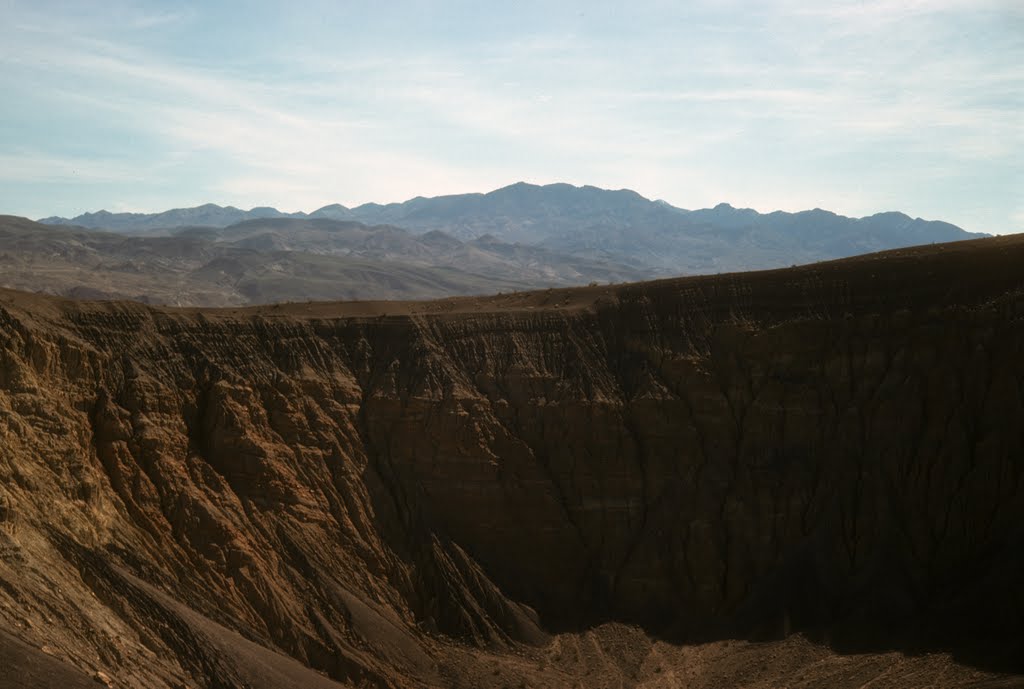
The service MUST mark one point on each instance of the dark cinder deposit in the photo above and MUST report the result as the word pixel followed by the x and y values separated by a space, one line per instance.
pixel 735 480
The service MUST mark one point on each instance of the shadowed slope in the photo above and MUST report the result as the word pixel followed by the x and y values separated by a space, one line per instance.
pixel 482 491
pixel 278 260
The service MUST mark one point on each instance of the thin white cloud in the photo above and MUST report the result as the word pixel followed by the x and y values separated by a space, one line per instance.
pixel 34 167
pixel 878 12
pixel 143 19
pixel 719 114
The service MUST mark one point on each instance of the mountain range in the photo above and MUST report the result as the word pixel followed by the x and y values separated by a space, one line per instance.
pixel 280 259
pixel 518 237
pixel 593 222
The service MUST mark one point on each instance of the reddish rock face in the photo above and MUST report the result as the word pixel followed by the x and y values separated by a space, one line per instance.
pixel 275 496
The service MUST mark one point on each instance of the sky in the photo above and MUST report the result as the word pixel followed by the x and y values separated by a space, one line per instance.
pixel 853 106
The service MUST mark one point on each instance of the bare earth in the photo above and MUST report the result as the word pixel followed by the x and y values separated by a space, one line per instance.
pixel 800 478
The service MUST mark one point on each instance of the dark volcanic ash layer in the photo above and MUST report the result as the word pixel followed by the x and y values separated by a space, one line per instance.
pixel 548 488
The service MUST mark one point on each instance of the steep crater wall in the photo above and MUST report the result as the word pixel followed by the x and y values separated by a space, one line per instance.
pixel 836 447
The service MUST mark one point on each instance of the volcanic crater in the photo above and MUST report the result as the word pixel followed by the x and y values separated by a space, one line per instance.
pixel 809 477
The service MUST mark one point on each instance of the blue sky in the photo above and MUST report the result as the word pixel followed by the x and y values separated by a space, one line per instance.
pixel 855 106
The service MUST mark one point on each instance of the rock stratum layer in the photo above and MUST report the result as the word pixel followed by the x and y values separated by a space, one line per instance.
pixel 543 489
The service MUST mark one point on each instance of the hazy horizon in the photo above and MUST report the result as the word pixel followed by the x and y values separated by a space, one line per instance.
pixel 156 211
pixel 853 107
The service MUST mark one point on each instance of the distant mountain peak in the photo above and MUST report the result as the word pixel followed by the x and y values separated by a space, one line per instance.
pixel 895 215
pixel 588 221
pixel 517 188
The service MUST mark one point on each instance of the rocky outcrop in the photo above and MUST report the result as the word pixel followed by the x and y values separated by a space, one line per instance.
pixel 344 491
